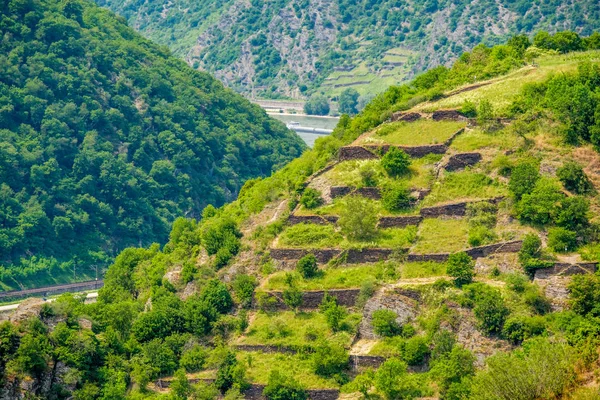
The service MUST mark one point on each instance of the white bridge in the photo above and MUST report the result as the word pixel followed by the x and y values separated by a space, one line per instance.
pixel 295 126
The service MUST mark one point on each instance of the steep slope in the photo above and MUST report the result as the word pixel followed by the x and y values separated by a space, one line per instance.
pixel 417 252
pixel 293 47
pixel 106 137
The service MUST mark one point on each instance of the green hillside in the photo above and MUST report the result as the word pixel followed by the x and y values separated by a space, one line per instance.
pixel 296 47
pixel 420 251
pixel 106 138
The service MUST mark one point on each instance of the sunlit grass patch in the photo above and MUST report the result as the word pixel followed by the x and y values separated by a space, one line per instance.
pixel 475 139
pixel 465 185
pixel 440 235
pixel 310 235
pixel 421 132
pixel 295 330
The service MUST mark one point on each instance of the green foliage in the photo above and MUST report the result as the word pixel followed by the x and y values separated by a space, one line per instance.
pixel 395 162
pixel 468 109
pixel 488 306
pixel 334 313
pixel 180 387
pixel 523 179
pixel 519 328
pixel 415 350
pixel 358 220
pixel 368 176
pixel 311 198
pixel 348 101
pixel 317 105
pixel 562 240
pixel 451 367
pixel 461 267
pixel 330 360
pixel 574 178
pixel 393 381
pixel 385 324
pixel 548 367
pixel 531 249
pixel 231 374
pixel 585 294
pixel 396 197
pixel 283 387
pixel 539 206
pixel 243 286
pixel 194 359
pixel 113 140
pixel 216 295
pixel 307 266
pixel 292 297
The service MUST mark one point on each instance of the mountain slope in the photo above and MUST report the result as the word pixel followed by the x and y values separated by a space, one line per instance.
pixel 419 251
pixel 106 137
pixel 293 47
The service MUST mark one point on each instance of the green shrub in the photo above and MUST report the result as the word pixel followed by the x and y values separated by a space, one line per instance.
pixel 523 179
pixel 358 220
pixel 538 302
pixel 330 359
pixel 531 249
pixel 396 198
pixel 307 266
pixel 368 176
pixel 461 267
pixel 482 213
pixel 311 198
pixel 468 109
pixel 519 328
pixel 585 294
pixel 562 240
pixel 490 311
pixel 540 205
pixel 393 381
pixel 216 295
pixel 243 286
pixel 415 350
pixel 292 297
pixel 481 235
pixel 194 359
pixel 283 387
pixel 451 368
pixel 385 324
pixel 231 374
pixel 266 302
pixel 574 178
pixel 395 162
pixel 334 313
pixel 572 213
pixel 485 112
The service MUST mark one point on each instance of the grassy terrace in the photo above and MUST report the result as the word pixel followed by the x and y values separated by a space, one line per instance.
pixel 441 235
pixel 324 236
pixel 299 366
pixel 418 133
pixel 295 330
pixel 339 204
pixel 503 90
pixel 464 185
pixel 476 139
pixel 354 277
pixel 347 173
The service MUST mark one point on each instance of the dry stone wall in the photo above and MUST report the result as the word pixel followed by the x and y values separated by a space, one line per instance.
pixel 448 115
pixel 386 299
pixel 312 299
pixel 400 221
pixel 405 116
pixel 312 219
pixel 462 160
pixel 454 209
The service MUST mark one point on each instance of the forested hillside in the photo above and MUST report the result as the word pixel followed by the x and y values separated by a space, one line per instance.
pixel 296 47
pixel 443 244
pixel 106 138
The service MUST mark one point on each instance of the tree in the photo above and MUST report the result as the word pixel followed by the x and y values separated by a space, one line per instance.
pixel 385 324
pixel 317 105
pixel 395 162
pixel 334 313
pixel 307 266
pixel 562 240
pixel 358 220
pixel 461 267
pixel 348 101
pixel 292 297
pixel 243 286
pixel 230 374
pixel 216 295
pixel 180 387
pixel 490 311
pixel 396 198
pixel 574 178
pixel 329 359
pixel 523 178
pixel 283 387
pixel 311 198
pixel 394 382
pixel 540 205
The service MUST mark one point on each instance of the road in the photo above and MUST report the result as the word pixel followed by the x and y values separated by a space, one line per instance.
pixel 55 289
pixel 12 307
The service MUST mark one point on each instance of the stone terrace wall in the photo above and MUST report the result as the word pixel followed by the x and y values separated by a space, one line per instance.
pixel 505 247
pixel 400 222
pixel 312 299
pixel 448 115
pixel 369 152
pixel 359 361
pixel 405 116
pixel 564 269
pixel 373 193
pixel 355 153
pixel 462 160
pixel 453 209
pixel 312 219
pixel 322 255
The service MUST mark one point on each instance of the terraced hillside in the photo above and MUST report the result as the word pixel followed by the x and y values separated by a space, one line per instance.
pixel 436 249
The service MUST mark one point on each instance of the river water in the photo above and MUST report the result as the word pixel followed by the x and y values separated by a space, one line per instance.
pixel 308 121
